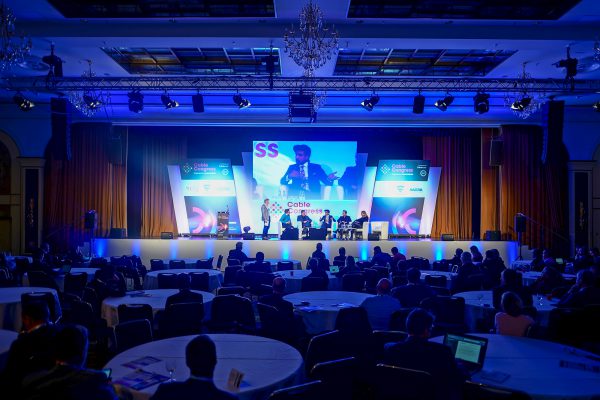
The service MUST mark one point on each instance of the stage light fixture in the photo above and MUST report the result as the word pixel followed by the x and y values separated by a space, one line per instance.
pixel 240 101
pixel 168 102
pixel 419 104
pixel 442 104
pixel 136 101
pixel 481 103
pixel 521 104
pixel 23 103
pixel 596 106
pixel 91 102
pixel 369 104
pixel 198 103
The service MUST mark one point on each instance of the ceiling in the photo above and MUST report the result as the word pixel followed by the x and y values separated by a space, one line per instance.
pixel 427 38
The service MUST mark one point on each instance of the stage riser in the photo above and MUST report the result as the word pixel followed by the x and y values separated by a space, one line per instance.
pixel 148 249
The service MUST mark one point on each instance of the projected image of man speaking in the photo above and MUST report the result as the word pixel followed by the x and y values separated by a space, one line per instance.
pixel 305 177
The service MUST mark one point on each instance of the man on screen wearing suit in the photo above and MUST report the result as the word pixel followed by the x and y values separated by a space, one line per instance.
pixel 304 176
pixel 265 218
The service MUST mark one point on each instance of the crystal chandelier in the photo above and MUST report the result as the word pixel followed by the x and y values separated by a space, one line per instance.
pixel 89 101
pixel 313 44
pixel 13 49
pixel 596 50
pixel 523 104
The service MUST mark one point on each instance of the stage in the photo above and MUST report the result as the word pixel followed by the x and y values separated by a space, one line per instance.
pixel 192 248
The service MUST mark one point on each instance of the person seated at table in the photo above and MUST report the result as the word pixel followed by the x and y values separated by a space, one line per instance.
pixel 32 350
pixel 476 254
pixel 491 268
pixel 68 379
pixel 260 265
pixel 511 321
pixel 418 353
pixel 201 359
pixel 340 259
pixel 582 260
pixel 537 264
pixel 380 308
pixel 305 222
pixel 583 292
pixel 396 256
pixel 318 253
pixel 551 279
pixel 185 294
pixel 411 294
pixel 349 268
pixel 316 271
pixel 511 281
pixel 547 257
pixel 358 223
pixel 276 300
pixel 238 253
pixel 379 257
pixel 456 260
pixel 344 222
pixel 465 270
pixel 595 255
pixel 108 282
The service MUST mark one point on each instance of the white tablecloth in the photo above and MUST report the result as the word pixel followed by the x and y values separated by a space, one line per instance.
pixel 449 276
pixel 531 276
pixel 10 305
pixel 60 279
pixel 534 367
pixel 521 264
pixel 267 364
pixel 156 298
pixel 294 282
pixel 215 277
pixel 322 309
pixel 480 304
pixel 274 262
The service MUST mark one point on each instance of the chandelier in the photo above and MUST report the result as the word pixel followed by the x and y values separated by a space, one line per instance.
pixel 13 50
pixel 523 104
pixel 89 101
pixel 596 50
pixel 312 45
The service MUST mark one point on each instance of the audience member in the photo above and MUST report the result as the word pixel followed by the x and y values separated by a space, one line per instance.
pixel 397 256
pixel 185 295
pixel 341 258
pixel 238 254
pixel 416 352
pixel 466 269
pixel 318 253
pixel 276 298
pixel 549 280
pixel 260 265
pixel 379 257
pixel 583 292
pixel 595 255
pixel 201 359
pixel 349 268
pixel 68 379
pixel 547 257
pixel 32 350
pixel 476 254
pixel 491 268
pixel 316 270
pixel 411 294
pixel 511 282
pixel 582 259
pixel 511 321
pixel 456 260
pixel 380 308
pixel 537 264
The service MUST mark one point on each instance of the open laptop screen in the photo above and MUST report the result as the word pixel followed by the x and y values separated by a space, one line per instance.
pixel 470 349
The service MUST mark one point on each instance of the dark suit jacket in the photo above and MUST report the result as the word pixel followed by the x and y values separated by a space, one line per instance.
pixel 381 259
pixel 69 383
pixel 239 255
pixel 411 295
pixel 435 358
pixel 277 301
pixel 316 175
pixel 318 254
pixel 521 291
pixel 581 298
pixel 184 296
pixel 258 267
pixel 201 389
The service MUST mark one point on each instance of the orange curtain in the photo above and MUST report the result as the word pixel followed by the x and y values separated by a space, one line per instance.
pixel 535 189
pixel 489 184
pixel 87 182
pixel 453 211
pixel 158 151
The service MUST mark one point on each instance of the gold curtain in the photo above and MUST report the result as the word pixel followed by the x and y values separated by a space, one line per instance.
pixel 489 184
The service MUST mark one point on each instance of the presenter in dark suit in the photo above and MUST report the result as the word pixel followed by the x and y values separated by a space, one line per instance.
pixel 201 359
pixel 327 223
pixel 265 218
pixel 344 222
pixel 304 176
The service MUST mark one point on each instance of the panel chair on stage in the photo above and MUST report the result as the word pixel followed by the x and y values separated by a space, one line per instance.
pixel 361 233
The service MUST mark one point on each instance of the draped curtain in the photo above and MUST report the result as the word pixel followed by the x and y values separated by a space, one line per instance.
pixel 87 182
pixel 451 150
pixel 489 184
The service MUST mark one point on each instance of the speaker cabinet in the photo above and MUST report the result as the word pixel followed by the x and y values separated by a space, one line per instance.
pixel 248 236
pixel 114 148
pixel 374 236
pixel 166 235
pixel 492 235
pixel 447 237
pixel 496 152
pixel 118 233
pixel 90 220
pixel 60 122
pixel 520 224
pixel 552 124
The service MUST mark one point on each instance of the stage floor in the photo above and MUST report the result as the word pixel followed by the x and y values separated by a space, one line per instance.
pixel 194 248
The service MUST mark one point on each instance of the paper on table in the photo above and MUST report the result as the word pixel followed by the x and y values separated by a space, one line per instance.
pixel 494 376
pixel 140 379
pixel 234 379
pixel 309 308
pixel 141 362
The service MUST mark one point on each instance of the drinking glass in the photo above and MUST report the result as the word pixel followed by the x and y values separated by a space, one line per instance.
pixel 170 365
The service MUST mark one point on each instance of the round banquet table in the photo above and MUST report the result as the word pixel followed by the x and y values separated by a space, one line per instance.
pixel 534 367
pixel 60 279
pixel 480 304
pixel 449 276
pixel 10 305
pixel 274 262
pixel 156 298
pixel 321 311
pixel 6 339
pixel 267 364
pixel 293 280
pixel 215 277
pixel 530 277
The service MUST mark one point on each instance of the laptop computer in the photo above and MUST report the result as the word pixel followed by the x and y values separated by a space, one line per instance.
pixel 334 269
pixel 468 350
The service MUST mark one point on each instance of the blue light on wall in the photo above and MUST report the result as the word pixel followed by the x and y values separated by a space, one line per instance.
pixel 173 249
pixel 99 248
pixel 136 248
pixel 438 251
pixel 285 250
pixel 363 249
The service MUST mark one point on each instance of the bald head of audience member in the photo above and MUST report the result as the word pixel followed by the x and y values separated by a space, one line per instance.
pixel 279 285
pixel 384 286
pixel 413 275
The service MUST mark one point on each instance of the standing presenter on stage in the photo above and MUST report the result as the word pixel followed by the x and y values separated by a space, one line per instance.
pixel 266 218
